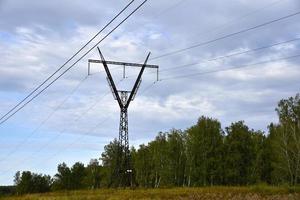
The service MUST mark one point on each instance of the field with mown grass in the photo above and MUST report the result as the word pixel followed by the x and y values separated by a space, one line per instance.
pixel 209 193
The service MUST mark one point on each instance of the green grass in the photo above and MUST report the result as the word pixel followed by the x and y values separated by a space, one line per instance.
pixel 261 192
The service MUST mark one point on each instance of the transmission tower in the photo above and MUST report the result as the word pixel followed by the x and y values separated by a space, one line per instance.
pixel 123 172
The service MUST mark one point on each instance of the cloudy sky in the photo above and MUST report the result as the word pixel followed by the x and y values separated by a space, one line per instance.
pixel 77 115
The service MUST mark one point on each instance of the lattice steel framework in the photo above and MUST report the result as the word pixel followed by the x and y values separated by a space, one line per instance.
pixel 123 168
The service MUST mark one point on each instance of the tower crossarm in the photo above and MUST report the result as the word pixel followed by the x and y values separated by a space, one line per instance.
pixel 123 63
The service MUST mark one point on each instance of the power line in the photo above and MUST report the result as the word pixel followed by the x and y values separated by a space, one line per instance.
pixel 226 36
pixel 84 113
pixel 233 21
pixel 148 87
pixel 170 8
pixel 231 55
pixel 231 68
pixel 12 114
pixel 226 56
pixel 60 151
pixel 66 147
pixel 57 136
pixel 228 22
pixel 45 120
pixel 86 44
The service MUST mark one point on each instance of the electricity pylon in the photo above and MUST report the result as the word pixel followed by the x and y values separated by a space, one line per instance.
pixel 123 171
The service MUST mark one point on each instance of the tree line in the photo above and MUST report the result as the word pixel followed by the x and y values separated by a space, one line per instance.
pixel 202 155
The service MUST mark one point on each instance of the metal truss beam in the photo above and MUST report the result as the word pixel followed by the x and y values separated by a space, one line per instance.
pixel 123 63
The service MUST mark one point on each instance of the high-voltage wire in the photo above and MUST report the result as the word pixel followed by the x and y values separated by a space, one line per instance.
pixel 231 55
pixel 231 68
pixel 75 121
pixel 8 116
pixel 226 36
pixel 62 66
pixel 17 147
pixel 219 70
pixel 233 21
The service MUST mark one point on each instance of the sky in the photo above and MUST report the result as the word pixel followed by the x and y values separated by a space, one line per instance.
pixel 77 116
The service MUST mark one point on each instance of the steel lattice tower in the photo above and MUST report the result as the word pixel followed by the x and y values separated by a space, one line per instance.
pixel 123 169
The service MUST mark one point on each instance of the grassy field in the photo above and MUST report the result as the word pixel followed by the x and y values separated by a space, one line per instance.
pixel 209 193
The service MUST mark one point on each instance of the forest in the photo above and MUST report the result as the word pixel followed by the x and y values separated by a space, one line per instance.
pixel 202 155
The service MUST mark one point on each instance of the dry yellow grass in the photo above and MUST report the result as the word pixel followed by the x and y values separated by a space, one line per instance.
pixel 208 193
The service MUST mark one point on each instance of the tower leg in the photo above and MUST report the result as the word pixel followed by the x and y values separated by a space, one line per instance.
pixel 125 171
